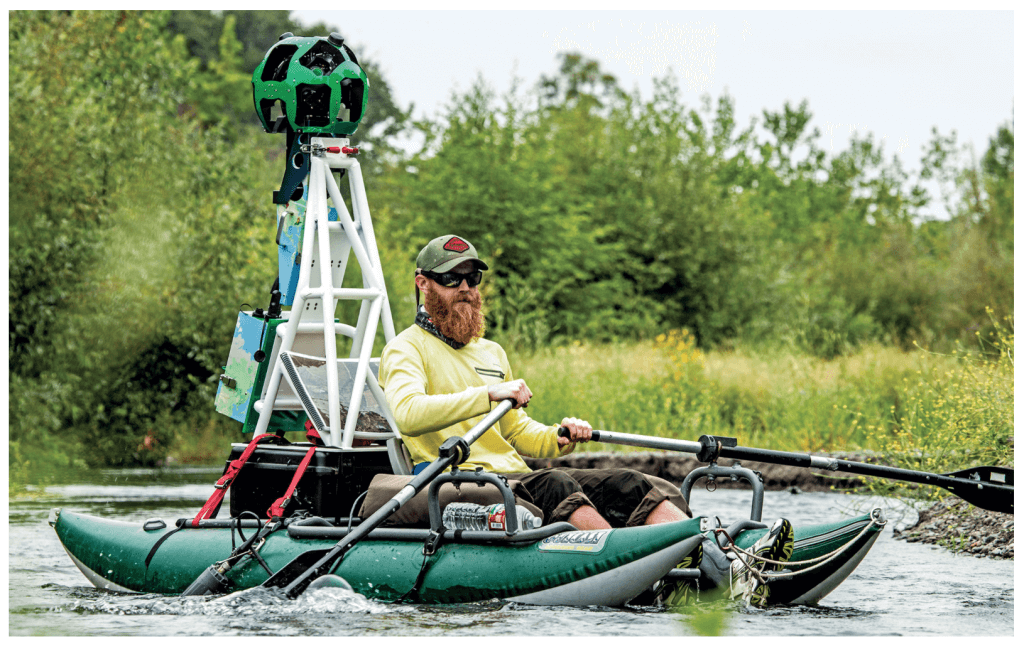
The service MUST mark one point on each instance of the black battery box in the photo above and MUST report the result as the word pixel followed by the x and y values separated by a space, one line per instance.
pixel 333 480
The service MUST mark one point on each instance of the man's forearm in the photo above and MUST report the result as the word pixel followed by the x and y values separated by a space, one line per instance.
pixel 418 413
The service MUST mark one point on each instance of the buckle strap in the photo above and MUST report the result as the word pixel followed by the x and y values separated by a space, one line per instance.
pixel 222 484
pixel 276 510
pixel 312 435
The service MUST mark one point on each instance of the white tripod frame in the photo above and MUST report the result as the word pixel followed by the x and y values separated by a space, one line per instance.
pixel 333 241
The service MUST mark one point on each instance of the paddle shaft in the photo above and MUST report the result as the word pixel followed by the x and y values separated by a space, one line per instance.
pixel 997 497
pixel 434 469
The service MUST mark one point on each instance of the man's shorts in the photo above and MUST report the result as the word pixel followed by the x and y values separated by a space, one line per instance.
pixel 623 496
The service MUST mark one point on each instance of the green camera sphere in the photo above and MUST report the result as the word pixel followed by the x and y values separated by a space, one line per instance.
pixel 318 81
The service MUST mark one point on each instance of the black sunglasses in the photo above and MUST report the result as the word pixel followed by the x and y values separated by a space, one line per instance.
pixel 451 280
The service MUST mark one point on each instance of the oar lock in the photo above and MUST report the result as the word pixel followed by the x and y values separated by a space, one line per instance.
pixel 454 447
pixel 711 446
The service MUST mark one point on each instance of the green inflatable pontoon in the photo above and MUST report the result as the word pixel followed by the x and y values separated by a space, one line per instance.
pixel 551 565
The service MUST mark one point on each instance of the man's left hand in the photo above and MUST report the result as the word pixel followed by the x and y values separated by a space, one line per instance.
pixel 579 431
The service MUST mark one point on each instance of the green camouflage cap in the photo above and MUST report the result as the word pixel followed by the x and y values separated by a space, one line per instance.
pixel 445 253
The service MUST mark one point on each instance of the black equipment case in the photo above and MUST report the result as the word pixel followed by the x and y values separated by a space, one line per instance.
pixel 333 480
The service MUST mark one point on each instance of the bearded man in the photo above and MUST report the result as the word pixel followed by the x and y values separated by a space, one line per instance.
pixel 440 377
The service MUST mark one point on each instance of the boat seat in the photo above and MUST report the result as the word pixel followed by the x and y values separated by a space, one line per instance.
pixel 401 461
pixel 415 513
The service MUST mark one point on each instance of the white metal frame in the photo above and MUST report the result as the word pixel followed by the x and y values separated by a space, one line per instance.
pixel 334 241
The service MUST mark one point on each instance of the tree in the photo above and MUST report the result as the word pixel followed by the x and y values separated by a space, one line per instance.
pixel 227 65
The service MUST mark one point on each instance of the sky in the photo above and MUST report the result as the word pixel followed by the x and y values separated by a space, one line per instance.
pixel 896 74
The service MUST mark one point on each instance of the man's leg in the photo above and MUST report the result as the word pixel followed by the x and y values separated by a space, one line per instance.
pixel 587 518
pixel 665 512
pixel 627 498
pixel 561 499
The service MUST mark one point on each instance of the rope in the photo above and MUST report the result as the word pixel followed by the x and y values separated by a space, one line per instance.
pixel 817 561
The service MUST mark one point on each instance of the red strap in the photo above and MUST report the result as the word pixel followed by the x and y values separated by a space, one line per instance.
pixel 312 435
pixel 277 509
pixel 225 481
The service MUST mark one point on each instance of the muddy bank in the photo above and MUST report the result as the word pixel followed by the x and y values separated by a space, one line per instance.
pixel 960 528
pixel 951 523
pixel 674 467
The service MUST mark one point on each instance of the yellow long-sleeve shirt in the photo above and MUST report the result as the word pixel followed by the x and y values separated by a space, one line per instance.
pixel 436 392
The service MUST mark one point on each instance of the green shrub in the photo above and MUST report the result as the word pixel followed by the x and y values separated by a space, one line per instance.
pixel 952 415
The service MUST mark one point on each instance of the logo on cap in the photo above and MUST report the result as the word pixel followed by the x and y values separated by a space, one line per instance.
pixel 456 244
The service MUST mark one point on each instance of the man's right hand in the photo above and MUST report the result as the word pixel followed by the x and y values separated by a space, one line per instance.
pixel 510 390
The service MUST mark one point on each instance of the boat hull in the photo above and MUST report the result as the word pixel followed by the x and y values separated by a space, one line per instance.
pixel 823 557
pixel 118 555
pixel 606 568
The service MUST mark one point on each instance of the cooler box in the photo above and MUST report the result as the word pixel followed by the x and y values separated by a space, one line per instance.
pixel 333 480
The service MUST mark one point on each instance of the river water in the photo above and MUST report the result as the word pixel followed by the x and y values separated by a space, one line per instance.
pixel 900 588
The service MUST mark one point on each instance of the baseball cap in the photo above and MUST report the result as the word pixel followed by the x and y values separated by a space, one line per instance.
pixel 445 253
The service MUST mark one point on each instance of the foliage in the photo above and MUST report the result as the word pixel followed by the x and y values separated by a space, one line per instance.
pixel 230 44
pixel 610 218
pixel 779 399
pixel 710 618
pixel 109 269
pixel 607 219
pixel 948 419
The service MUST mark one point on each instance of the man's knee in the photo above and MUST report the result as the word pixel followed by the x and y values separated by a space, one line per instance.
pixel 633 483
pixel 558 484
pixel 556 493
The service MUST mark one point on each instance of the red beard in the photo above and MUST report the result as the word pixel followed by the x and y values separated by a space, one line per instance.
pixel 460 319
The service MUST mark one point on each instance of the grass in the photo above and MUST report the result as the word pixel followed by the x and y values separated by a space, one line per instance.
pixel 918 409
pixel 668 388
pixel 954 413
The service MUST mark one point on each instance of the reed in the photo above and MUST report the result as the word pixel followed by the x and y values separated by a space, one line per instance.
pixel 954 413
pixel 668 387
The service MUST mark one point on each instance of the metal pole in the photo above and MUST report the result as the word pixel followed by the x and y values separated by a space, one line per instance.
pixel 317 207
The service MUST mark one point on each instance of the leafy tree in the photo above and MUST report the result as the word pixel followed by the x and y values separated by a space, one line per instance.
pixel 108 267
pixel 227 64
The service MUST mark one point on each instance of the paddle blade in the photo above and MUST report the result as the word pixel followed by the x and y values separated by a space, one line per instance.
pixel 992 487
pixel 996 475
pixel 295 569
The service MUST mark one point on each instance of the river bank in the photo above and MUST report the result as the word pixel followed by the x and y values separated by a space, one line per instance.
pixel 674 467
pixel 950 523
pixel 962 529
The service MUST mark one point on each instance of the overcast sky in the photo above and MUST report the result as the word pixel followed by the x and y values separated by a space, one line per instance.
pixel 893 73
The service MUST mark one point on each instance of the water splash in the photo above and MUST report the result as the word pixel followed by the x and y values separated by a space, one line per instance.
pixel 255 602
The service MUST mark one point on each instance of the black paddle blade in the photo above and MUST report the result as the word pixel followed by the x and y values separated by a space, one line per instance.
pixel 294 569
pixel 992 488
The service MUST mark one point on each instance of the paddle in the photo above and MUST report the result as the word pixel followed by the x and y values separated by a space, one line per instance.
pixel 303 569
pixel 987 487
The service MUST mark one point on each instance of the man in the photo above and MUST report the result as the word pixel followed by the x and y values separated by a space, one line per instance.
pixel 440 376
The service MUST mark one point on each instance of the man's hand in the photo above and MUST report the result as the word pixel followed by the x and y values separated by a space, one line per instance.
pixel 510 390
pixel 579 431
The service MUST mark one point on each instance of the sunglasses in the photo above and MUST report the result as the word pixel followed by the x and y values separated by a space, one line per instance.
pixel 451 280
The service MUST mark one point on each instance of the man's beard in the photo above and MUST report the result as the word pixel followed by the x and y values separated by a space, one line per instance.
pixel 460 319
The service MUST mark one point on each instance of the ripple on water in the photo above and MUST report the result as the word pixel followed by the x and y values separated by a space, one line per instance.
pixel 900 588
pixel 264 603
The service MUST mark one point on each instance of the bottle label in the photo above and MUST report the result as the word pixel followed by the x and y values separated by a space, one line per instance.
pixel 496 518
pixel 590 541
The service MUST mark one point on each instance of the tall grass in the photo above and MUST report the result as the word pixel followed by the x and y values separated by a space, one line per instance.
pixel 956 413
pixel 781 400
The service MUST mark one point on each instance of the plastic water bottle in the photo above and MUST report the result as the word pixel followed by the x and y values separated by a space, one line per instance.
pixel 470 516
